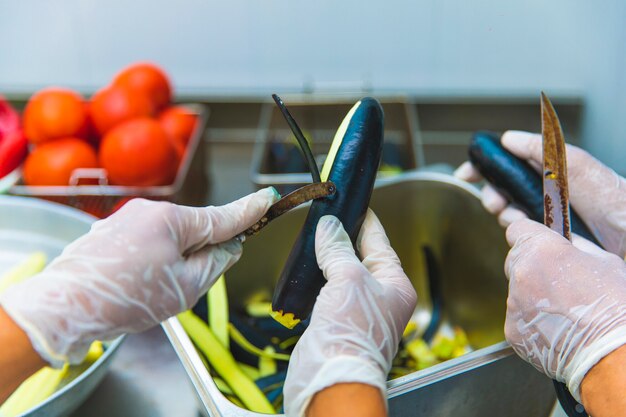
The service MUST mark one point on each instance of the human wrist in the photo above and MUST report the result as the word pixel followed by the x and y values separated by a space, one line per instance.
pixel 347 400
pixel 588 358
pixel 602 389
pixel 339 370
pixel 18 358
pixel 43 310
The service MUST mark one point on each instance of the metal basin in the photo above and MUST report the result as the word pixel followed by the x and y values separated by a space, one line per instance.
pixel 417 209
pixel 28 225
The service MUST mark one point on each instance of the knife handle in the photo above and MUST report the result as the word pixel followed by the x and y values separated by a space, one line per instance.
pixel 515 179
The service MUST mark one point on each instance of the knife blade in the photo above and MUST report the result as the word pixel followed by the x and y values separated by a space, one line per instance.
pixel 295 198
pixel 556 213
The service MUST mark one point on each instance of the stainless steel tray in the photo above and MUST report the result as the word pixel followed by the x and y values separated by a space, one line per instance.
pixel 28 225
pixel 416 208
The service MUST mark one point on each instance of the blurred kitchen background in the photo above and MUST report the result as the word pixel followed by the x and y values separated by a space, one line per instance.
pixel 459 66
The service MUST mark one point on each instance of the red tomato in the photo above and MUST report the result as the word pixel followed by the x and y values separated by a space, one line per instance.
pixel 179 123
pixel 52 163
pixel 147 79
pixel 54 113
pixel 139 152
pixel 113 105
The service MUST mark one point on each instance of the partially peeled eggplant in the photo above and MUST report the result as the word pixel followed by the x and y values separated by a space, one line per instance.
pixel 352 164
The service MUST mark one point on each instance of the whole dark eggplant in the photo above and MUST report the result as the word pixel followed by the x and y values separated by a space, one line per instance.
pixel 515 179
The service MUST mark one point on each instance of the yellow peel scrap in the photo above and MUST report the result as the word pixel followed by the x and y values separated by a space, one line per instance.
pixel 286 319
pixel 33 391
pixel 224 364
pixel 32 265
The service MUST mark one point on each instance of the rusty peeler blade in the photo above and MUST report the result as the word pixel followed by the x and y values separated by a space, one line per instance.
pixel 295 198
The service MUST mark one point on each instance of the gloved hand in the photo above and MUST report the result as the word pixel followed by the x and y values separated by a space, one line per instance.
pixel 566 308
pixel 145 263
pixel 358 318
pixel 596 192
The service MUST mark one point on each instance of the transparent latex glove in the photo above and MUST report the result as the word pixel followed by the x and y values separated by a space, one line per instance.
pixel 566 308
pixel 145 263
pixel 597 193
pixel 358 318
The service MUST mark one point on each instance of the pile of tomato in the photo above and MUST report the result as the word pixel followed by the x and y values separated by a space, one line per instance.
pixel 129 128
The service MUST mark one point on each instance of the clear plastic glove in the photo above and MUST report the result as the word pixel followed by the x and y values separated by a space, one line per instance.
pixel 358 318
pixel 597 193
pixel 566 308
pixel 145 263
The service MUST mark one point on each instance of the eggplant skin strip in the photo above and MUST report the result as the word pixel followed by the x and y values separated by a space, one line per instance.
pixel 436 297
pixel 352 164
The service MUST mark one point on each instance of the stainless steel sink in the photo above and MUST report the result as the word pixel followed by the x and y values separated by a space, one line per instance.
pixel 417 209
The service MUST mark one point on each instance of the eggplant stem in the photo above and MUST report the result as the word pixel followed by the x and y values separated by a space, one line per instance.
pixel 304 145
